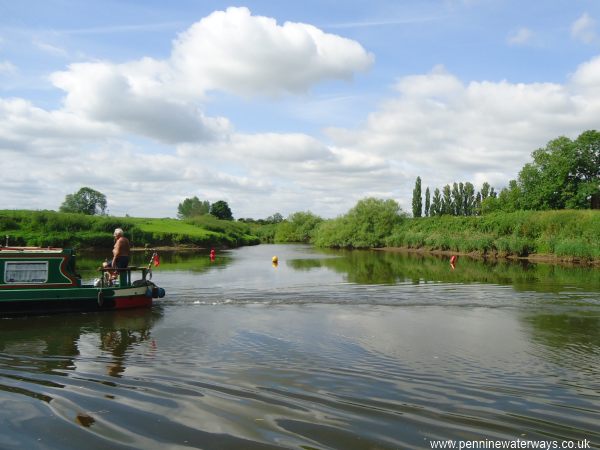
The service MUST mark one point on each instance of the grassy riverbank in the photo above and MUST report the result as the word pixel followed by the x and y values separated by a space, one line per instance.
pixel 50 228
pixel 556 235
pixel 564 235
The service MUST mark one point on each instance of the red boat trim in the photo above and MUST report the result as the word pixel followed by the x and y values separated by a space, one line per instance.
pixel 135 301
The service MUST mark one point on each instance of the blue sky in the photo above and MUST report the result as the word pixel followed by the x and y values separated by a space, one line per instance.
pixel 280 106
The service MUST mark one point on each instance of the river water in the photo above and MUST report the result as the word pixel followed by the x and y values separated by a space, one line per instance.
pixel 326 350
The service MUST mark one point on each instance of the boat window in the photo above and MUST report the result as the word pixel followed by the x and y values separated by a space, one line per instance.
pixel 26 272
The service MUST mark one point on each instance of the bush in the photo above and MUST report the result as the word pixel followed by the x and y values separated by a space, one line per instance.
pixel 299 227
pixel 366 225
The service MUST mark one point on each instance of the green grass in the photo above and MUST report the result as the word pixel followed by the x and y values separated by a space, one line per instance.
pixel 50 228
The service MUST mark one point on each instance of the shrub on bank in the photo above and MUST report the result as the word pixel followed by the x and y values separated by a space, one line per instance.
pixel 298 227
pixel 366 225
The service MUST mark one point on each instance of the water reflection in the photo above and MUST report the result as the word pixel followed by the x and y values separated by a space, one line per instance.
pixel 53 344
pixel 377 267
pixel 568 339
pixel 197 261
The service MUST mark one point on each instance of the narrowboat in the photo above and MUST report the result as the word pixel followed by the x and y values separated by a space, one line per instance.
pixel 45 281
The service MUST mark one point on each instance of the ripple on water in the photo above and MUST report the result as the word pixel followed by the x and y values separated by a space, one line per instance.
pixel 327 364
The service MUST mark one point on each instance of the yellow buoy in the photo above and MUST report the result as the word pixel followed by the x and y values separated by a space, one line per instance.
pixel 275 259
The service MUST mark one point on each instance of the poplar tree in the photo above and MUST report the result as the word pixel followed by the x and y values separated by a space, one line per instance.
pixel 469 199
pixel 485 190
pixel 417 201
pixel 447 201
pixel 427 202
pixel 477 206
pixel 456 200
pixel 436 203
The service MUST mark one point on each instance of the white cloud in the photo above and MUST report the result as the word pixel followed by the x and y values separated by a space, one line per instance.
pixel 235 51
pixel 264 147
pixel 132 98
pixel 27 128
pixel 584 29
pixel 521 36
pixel 228 50
pixel 445 130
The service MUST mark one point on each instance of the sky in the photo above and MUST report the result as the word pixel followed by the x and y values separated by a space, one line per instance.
pixel 279 106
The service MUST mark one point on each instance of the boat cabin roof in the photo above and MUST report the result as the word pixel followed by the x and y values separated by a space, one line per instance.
pixel 34 250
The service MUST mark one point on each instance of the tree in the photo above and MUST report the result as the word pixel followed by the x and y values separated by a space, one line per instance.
pixel 456 200
pixel 366 225
pixel 469 199
pixel 275 218
pixel 192 207
pixel 485 190
pixel 221 210
pixel 417 200
pixel 427 202
pixel 446 201
pixel 477 205
pixel 510 199
pixel 436 204
pixel 564 174
pixel 85 201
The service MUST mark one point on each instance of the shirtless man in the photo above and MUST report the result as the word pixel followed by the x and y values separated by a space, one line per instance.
pixel 120 251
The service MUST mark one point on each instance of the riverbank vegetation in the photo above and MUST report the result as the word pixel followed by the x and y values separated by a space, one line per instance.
pixel 563 234
pixel 372 223
pixel 50 228
pixel 566 234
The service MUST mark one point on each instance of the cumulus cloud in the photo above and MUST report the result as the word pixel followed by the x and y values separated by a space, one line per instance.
pixel 228 50
pixel 446 130
pixel 586 82
pixel 278 147
pixel 27 128
pixel 250 55
pixel 131 97
pixel 584 29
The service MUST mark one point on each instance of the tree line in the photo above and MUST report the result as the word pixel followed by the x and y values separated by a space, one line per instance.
pixel 194 207
pixel 90 202
pixel 565 174
pixel 459 200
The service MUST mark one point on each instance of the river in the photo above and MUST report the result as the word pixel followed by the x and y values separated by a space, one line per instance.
pixel 325 350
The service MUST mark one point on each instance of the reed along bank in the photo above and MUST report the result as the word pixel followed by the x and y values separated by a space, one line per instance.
pixel 565 235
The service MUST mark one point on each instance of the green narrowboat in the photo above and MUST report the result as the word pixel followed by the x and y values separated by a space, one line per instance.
pixel 44 281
